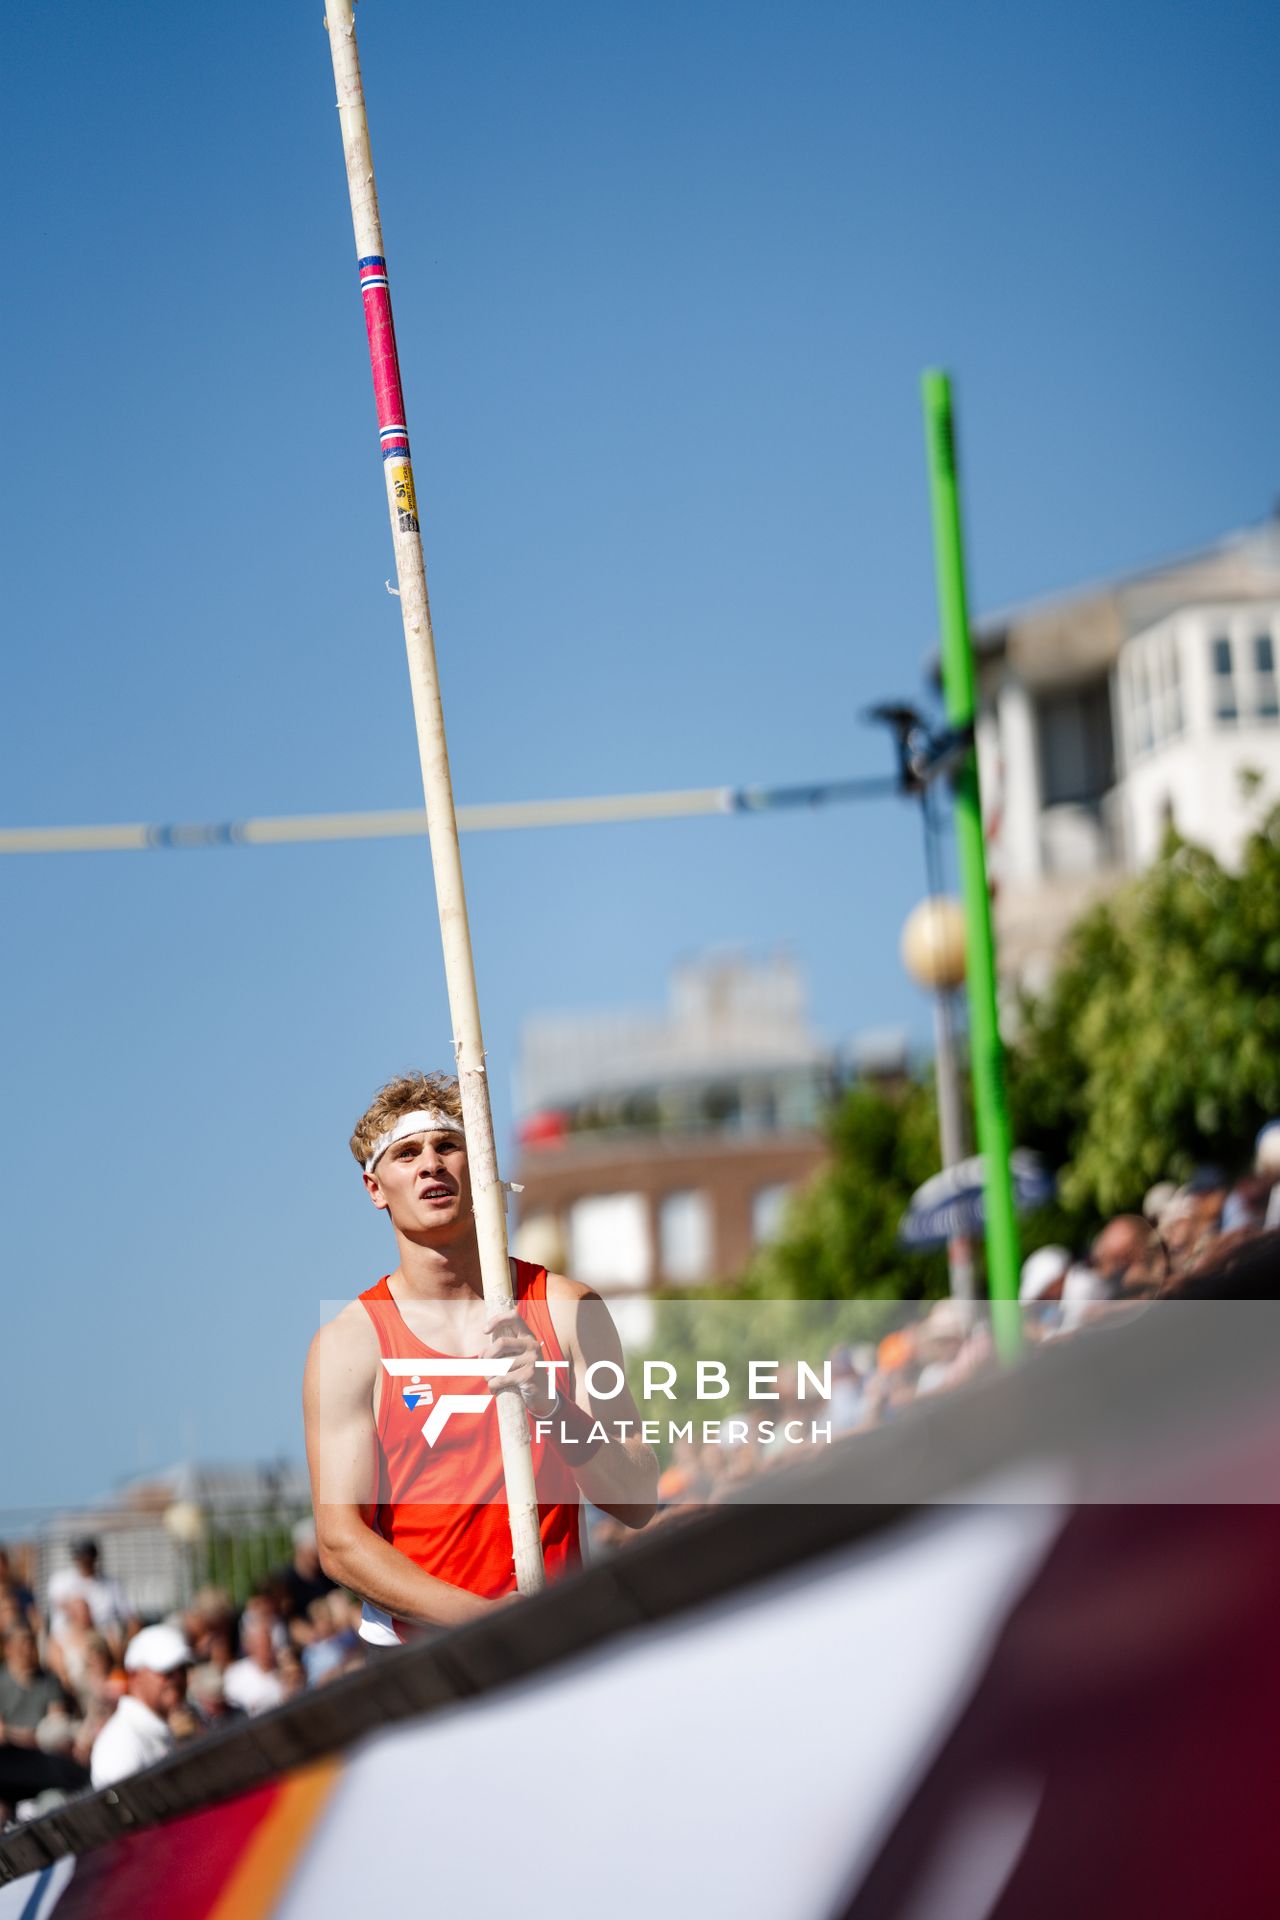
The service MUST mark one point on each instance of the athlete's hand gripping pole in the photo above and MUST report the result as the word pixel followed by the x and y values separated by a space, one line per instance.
pixel 442 828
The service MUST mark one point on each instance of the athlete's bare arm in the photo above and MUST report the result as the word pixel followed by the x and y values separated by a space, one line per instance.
pixel 342 1454
pixel 622 1477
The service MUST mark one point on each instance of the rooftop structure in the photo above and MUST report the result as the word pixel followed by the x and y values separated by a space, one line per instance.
pixel 1108 714
pixel 658 1147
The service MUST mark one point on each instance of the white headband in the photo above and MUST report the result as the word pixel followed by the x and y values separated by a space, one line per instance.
pixel 425 1120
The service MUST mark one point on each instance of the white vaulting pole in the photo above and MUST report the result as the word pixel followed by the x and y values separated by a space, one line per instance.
pixel 437 787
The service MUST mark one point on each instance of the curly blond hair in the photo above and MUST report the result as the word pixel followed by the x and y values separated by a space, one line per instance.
pixel 405 1094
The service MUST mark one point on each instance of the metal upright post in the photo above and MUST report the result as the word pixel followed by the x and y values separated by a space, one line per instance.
pixel 985 1048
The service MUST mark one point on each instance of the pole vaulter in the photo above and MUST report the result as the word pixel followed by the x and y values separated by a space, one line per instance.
pixel 437 787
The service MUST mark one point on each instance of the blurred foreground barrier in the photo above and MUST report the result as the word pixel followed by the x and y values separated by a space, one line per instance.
pixel 1041 1682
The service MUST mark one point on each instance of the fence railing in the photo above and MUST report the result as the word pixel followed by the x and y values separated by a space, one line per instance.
pixel 160 1557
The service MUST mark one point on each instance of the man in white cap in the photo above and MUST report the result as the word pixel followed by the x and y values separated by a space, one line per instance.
pixel 1086 1296
pixel 1043 1273
pixel 157 1661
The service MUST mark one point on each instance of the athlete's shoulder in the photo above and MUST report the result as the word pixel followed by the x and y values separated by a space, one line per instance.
pixel 529 1281
pixel 350 1335
pixel 577 1312
pixel 564 1291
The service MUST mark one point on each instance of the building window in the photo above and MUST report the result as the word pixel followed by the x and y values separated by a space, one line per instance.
pixel 720 1108
pixel 609 1241
pixel 799 1107
pixel 1265 704
pixel 1144 733
pixel 1226 709
pixel 1076 755
pixel 1169 722
pixel 1150 692
pixel 768 1205
pixel 684 1234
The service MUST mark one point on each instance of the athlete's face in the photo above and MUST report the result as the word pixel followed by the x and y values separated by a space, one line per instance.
pixel 423 1183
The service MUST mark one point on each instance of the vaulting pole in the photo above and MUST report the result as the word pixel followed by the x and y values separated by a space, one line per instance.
pixel 437 787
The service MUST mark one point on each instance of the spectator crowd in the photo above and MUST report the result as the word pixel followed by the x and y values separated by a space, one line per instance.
pixel 90 1693
pixel 1213 1236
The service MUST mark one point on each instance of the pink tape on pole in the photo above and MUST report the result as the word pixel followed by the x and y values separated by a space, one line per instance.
pixel 376 292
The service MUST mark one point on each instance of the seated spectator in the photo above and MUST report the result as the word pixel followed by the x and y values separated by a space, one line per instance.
pixel 896 1371
pixel 1199 1219
pixel 1040 1285
pixel 847 1399
pixel 100 1692
pixel 253 1683
pixel 938 1342
pixel 1086 1297
pixel 103 1682
pixel 67 1650
pixel 62 1731
pixel 208 1696
pixel 327 1644
pixel 27 1692
pixel 1266 1163
pixel 345 1609
pixel 269 1601
pixel 304 1579
pixel 1183 1233
pixel 976 1356
pixel 157 1662
pixel 321 1652
pixel 210 1619
pixel 1043 1273
pixel 10 1583
pixel 84 1580
pixel 218 1644
pixel 1157 1200
pixel 293 1677
pixel 1246 1205
pixel 12 1612
pixel 1128 1256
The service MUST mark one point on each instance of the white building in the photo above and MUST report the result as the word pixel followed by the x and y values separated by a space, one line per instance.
pixel 1109 713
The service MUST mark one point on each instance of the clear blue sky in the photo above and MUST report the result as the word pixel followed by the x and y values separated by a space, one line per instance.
pixel 665 278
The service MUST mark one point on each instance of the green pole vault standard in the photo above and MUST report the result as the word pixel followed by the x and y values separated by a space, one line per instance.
pixel 986 1051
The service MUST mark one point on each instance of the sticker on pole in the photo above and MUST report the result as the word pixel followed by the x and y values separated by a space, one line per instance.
pixel 405 499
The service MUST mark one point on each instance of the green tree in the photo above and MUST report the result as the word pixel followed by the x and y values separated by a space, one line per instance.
pixel 1157 1044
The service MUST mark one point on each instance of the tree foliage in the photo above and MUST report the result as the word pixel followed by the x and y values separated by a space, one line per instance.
pixel 1157 1044
pixel 839 1240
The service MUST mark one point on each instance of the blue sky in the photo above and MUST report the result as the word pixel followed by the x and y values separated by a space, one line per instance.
pixel 664 279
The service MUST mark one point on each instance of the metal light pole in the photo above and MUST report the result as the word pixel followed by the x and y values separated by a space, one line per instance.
pixel 933 954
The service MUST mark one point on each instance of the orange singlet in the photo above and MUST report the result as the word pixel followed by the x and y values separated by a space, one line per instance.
pixel 443 1503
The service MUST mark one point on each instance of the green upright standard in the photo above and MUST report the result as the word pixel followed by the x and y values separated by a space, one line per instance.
pixel 985 1049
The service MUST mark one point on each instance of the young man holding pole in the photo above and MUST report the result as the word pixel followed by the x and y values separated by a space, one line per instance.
pixel 402 1433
